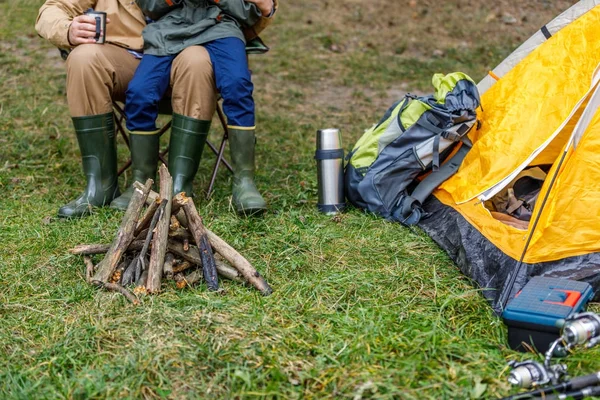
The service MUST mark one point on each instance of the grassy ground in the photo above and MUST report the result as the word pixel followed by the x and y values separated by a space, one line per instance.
pixel 361 309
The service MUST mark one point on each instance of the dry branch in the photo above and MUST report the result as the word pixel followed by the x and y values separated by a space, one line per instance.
pixel 159 244
pixel 168 266
pixel 193 256
pixel 138 265
pixel 174 223
pixel 180 234
pixel 198 230
pixel 125 233
pixel 89 268
pixel 114 287
pixel 91 249
pixel 239 262
pixel 185 265
pixel 147 217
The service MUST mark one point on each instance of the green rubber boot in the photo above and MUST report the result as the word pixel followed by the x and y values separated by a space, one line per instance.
pixel 188 136
pixel 246 198
pixel 144 158
pixel 96 138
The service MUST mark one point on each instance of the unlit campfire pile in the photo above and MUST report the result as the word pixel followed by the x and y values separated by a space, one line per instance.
pixel 166 241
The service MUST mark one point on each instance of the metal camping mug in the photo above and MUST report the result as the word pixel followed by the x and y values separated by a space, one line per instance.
pixel 100 18
pixel 330 171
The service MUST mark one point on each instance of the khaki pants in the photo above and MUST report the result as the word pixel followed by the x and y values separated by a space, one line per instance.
pixel 98 74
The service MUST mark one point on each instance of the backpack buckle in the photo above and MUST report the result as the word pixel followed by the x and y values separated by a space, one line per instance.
pixel 455 137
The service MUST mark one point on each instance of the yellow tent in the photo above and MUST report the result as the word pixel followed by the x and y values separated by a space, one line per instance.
pixel 539 108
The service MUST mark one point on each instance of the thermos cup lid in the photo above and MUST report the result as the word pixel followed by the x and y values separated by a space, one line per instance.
pixel 329 139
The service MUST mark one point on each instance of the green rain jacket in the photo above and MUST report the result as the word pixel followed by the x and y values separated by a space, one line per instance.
pixel 184 23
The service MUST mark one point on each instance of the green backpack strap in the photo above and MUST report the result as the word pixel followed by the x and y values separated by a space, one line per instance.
pixel 409 211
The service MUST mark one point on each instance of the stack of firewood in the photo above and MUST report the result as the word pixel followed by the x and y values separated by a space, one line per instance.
pixel 166 241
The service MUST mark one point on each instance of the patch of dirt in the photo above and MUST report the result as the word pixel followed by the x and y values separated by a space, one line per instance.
pixel 418 28
pixel 409 29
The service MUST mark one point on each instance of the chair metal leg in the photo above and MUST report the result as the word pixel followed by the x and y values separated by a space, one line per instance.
pixel 120 119
pixel 218 153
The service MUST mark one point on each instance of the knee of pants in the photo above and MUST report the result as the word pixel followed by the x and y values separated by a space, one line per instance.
pixel 139 95
pixel 85 60
pixel 194 61
pixel 237 88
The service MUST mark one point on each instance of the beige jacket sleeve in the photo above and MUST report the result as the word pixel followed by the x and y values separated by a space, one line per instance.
pixel 54 19
pixel 260 26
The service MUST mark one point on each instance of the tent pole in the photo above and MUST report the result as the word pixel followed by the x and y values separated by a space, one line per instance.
pixel 504 296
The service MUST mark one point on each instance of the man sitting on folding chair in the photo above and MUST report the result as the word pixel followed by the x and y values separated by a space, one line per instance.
pixel 217 26
pixel 98 74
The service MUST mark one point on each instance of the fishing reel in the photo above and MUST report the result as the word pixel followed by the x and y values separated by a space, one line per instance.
pixel 582 328
pixel 529 373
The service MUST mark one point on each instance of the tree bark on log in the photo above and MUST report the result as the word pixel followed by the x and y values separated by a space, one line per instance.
pixel 198 230
pixel 159 243
pixel 125 233
pixel 239 262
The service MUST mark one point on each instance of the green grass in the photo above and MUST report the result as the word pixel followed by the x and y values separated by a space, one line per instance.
pixel 362 308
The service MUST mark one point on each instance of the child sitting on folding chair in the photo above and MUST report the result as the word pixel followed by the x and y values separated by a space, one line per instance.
pixel 217 26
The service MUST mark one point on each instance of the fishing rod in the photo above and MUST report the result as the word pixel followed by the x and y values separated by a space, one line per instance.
pixel 576 395
pixel 577 383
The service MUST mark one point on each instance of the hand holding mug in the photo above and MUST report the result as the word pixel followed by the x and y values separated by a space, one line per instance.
pixel 87 29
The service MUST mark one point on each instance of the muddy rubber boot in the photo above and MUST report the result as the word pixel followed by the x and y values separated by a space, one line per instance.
pixel 188 136
pixel 144 159
pixel 246 198
pixel 96 138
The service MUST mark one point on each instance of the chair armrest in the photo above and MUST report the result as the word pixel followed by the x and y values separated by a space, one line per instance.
pixel 256 46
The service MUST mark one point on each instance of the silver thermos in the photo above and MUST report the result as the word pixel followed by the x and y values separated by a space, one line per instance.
pixel 330 171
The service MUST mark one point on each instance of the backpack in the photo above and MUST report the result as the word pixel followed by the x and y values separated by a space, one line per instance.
pixel 415 135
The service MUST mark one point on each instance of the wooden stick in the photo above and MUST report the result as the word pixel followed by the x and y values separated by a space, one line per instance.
pixel 142 235
pixel 89 268
pixel 239 262
pixel 125 233
pixel 182 267
pixel 198 230
pixel 128 276
pixel 168 266
pixel 114 287
pixel 192 278
pixel 91 249
pixel 174 222
pixel 180 279
pixel 152 196
pixel 139 265
pixel 159 243
pixel 227 271
pixel 142 279
pixel 193 256
pixel 147 217
pixel 180 233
